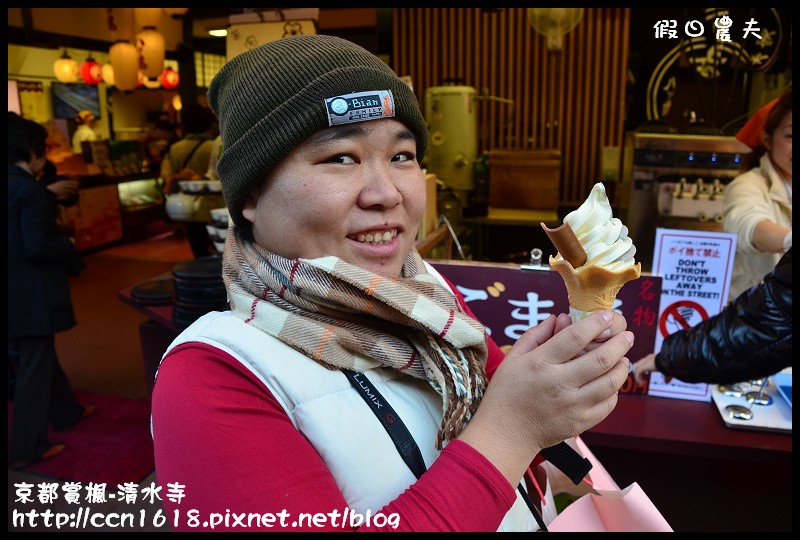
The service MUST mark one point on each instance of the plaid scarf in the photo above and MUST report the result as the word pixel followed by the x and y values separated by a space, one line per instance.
pixel 343 316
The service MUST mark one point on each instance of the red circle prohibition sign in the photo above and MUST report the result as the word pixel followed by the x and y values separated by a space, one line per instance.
pixel 673 309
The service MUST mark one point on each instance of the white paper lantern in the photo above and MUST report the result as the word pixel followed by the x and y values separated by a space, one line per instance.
pixel 66 69
pixel 125 59
pixel 108 74
pixel 150 46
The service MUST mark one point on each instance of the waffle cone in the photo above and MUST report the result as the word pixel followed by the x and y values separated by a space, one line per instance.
pixel 592 288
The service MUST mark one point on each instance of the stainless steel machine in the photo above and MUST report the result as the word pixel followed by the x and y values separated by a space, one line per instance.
pixel 677 182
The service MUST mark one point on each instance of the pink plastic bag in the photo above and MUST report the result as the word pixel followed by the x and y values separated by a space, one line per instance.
pixel 603 506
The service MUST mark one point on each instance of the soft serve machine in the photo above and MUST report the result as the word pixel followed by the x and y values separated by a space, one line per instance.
pixel 677 182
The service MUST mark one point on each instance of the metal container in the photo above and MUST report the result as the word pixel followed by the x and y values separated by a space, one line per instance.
pixel 452 118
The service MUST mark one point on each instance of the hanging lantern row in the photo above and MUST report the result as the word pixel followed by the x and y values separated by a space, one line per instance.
pixel 133 65
pixel 92 72
pixel 168 79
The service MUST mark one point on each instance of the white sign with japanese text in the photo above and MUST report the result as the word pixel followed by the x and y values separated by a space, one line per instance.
pixel 695 268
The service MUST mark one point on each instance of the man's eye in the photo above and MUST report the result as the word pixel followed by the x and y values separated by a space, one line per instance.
pixel 404 156
pixel 343 159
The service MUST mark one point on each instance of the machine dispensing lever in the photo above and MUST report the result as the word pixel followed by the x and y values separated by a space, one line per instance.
pixel 682 185
pixel 700 188
pixel 716 189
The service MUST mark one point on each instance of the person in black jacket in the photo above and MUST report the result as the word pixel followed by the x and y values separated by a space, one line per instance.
pixel 63 192
pixel 750 338
pixel 39 303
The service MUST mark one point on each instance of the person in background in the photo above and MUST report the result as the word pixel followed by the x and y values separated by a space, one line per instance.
pixel 63 189
pixel 86 122
pixel 758 203
pixel 260 408
pixel 188 159
pixel 39 304
pixel 211 173
pixel 750 338
pixel 164 135
pixel 63 193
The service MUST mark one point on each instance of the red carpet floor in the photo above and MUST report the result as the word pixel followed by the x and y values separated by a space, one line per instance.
pixel 113 446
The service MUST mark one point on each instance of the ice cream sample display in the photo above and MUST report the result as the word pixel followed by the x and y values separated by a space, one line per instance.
pixel 595 254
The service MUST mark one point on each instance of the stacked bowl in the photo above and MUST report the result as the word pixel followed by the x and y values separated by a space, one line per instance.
pixel 218 228
pixel 198 289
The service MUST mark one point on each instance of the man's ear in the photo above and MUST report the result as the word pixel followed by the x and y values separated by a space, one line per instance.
pixel 250 205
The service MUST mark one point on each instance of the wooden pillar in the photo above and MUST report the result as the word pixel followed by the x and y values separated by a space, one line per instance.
pixel 187 88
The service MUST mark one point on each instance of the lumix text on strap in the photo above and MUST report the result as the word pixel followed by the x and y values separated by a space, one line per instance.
pixel 562 455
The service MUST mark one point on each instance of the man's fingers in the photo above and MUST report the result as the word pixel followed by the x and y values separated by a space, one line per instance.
pixel 601 360
pixel 536 335
pixel 573 339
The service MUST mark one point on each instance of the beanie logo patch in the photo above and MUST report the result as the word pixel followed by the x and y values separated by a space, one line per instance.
pixel 359 107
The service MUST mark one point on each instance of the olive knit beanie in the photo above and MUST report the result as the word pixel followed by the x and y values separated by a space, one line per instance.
pixel 271 98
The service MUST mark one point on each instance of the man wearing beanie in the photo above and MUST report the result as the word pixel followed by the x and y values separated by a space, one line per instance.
pixel 349 387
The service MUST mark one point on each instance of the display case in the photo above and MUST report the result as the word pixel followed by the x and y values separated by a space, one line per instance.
pixel 113 209
pixel 135 195
pixel 142 208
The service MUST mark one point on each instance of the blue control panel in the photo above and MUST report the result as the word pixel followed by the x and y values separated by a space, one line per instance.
pixel 654 157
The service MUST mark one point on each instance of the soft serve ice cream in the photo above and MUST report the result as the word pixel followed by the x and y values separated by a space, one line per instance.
pixel 595 254
pixel 604 238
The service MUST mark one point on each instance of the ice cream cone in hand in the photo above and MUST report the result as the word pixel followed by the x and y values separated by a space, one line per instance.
pixel 595 255
pixel 593 288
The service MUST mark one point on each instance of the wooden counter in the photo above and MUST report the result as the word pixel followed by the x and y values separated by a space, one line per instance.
pixel 702 475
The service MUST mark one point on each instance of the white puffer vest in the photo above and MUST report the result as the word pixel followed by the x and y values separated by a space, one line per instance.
pixel 332 415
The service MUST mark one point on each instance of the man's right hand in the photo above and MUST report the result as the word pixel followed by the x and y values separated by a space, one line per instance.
pixel 64 189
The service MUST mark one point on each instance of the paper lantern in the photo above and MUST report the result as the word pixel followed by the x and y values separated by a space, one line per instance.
pixel 125 60
pixel 108 74
pixel 91 71
pixel 147 17
pixel 66 69
pixel 177 104
pixel 170 78
pixel 150 46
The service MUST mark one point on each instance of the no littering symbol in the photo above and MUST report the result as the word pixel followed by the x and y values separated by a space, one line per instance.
pixel 681 315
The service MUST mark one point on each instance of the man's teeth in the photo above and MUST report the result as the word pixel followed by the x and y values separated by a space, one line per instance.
pixel 377 237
